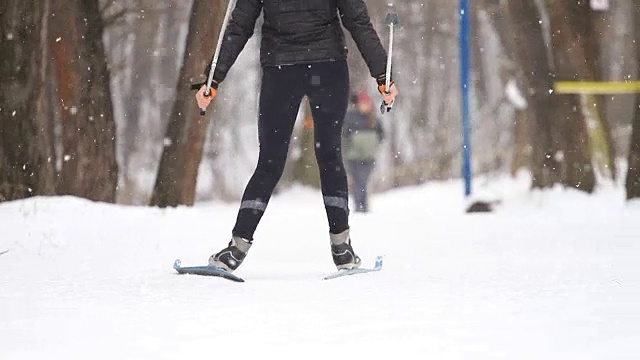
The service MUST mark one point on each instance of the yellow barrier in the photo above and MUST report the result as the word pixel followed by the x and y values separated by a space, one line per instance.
pixel 597 87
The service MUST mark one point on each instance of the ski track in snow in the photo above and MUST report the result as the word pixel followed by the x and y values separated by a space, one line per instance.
pixel 548 275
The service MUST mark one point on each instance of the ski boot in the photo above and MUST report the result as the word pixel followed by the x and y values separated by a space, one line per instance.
pixel 343 255
pixel 232 256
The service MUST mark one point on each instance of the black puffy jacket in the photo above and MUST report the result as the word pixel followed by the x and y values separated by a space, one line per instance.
pixel 301 31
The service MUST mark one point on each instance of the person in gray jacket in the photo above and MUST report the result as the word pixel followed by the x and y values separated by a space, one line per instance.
pixel 362 135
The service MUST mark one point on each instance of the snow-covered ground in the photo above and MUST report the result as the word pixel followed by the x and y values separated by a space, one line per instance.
pixel 549 275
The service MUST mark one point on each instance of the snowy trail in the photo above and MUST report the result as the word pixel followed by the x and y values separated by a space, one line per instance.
pixel 550 275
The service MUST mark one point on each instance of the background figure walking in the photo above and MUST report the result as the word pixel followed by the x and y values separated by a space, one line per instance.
pixel 363 134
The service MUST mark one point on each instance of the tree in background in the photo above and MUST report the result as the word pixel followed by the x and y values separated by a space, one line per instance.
pixel 633 171
pixel 26 135
pixel 535 69
pixel 574 53
pixel 184 140
pixel 569 135
pixel 89 168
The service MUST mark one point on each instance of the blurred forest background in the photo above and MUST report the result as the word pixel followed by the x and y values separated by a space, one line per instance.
pixel 95 99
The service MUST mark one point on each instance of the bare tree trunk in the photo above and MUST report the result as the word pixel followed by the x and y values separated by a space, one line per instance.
pixel 528 38
pixel 26 150
pixel 89 167
pixel 522 145
pixel 577 57
pixel 572 138
pixel 184 140
pixel 592 32
pixel 633 171
pixel 619 52
pixel 570 60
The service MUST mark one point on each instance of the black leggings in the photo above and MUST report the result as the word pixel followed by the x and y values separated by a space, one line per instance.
pixel 327 87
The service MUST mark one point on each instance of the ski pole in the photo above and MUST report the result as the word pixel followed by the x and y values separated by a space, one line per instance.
pixel 391 20
pixel 214 62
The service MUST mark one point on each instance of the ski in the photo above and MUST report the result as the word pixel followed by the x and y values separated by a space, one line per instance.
pixel 341 273
pixel 4 252
pixel 205 271
pixel 218 272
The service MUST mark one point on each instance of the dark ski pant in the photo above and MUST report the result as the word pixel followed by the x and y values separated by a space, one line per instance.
pixel 326 85
pixel 360 171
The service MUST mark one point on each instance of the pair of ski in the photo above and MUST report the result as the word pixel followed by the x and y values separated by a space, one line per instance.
pixel 218 272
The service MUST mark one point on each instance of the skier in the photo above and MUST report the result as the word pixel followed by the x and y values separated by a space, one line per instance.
pixel 303 52
pixel 363 133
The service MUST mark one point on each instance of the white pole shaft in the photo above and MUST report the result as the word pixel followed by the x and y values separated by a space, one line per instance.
pixel 388 74
pixel 214 63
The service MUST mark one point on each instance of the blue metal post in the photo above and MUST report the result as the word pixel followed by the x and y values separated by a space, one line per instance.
pixel 464 83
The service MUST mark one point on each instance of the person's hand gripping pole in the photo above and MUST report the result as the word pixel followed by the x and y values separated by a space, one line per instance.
pixel 207 92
